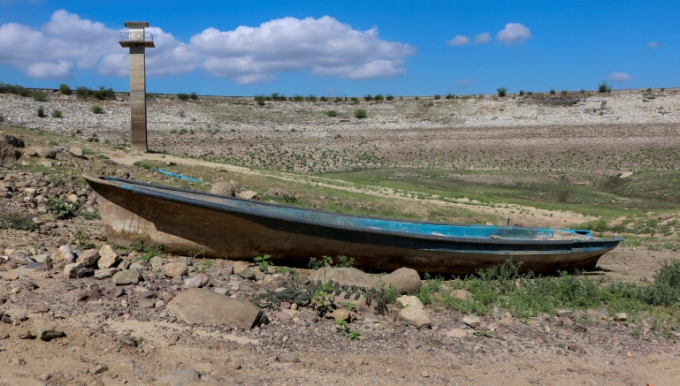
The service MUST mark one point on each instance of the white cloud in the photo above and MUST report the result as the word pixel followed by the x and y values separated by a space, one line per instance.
pixel 513 34
pixel 321 46
pixel 619 77
pixel 45 70
pixel 459 40
pixel 465 82
pixel 653 45
pixel 483 38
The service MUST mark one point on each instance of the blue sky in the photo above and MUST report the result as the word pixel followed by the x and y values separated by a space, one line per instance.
pixel 346 48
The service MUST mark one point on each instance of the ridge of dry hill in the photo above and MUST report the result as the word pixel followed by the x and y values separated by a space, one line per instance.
pixel 539 132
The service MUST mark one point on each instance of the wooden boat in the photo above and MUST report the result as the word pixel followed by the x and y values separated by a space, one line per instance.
pixel 185 221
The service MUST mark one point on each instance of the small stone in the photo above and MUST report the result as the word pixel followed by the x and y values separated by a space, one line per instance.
pixel 127 341
pixel 71 270
pixel 107 257
pixel 25 335
pixel 47 263
pixel 496 313
pixel 105 273
pixel 180 377
pixel 472 321
pixel 45 377
pixel 408 301
pixel 620 317
pixel 221 291
pixel 156 262
pixel 665 216
pixel 21 258
pixel 456 333
pixel 247 274
pixel 147 303
pixel 100 369
pixel 126 277
pixel 565 313
pixel 249 195
pixel 415 316
pixel 288 358
pixel 425 374
pixel 340 315
pixel 77 152
pixel 46 331
pixel 192 282
pixel 175 269
pixel 63 255
pixel 403 280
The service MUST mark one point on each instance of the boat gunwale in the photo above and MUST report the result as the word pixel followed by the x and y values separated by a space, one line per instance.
pixel 139 188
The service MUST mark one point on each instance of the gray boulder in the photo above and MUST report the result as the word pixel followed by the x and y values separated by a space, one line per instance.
pixel 126 277
pixel 207 307
pixel 77 152
pixel 225 188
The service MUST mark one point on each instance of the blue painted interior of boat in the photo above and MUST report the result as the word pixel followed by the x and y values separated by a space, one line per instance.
pixel 331 219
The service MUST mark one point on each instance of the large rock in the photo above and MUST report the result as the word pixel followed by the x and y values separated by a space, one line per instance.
pixel 225 188
pixel 63 255
pixel 71 270
pixel 88 258
pixel 126 277
pixel 410 301
pixel 107 257
pixel 21 258
pixel 249 195
pixel 175 269
pixel 8 154
pixel 345 276
pixel 415 316
pixel 207 307
pixel 404 280
pixel 12 140
pixel 180 377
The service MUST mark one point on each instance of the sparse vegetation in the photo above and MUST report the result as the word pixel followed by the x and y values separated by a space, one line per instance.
pixel 65 89
pixel 41 112
pixel 332 113
pixel 39 96
pixel 193 96
pixel 604 87
pixel 56 114
pixel 97 109
pixel 360 113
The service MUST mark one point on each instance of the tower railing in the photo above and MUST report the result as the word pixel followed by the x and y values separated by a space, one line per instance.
pixel 134 37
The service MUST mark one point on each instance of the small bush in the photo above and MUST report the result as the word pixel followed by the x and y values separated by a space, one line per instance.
pixel 530 93
pixel 323 99
pixel 298 98
pixel 104 93
pixel 666 288
pixel 389 97
pixel 39 96
pixel 564 92
pixel 360 113
pixel 56 114
pixel 311 98
pixel 14 221
pixel 193 96
pixel 552 91
pixel 278 97
pixel 82 92
pixel 183 96
pixel 97 109
pixel 450 96
pixel 502 91
pixel 521 92
pixel 355 100
pixel 332 113
pixel 260 100
pixel 604 87
pixel 62 210
pixel 337 100
pixel 65 89
pixel 41 112
pixel 437 97
pixel 368 97
pixel 378 98
pixel 417 98
pixel 183 131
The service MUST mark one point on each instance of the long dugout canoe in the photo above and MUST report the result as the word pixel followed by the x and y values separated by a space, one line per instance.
pixel 186 221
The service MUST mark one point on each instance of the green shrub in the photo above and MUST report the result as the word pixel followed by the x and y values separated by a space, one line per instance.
pixel 56 114
pixel 298 98
pixel 502 91
pixel 564 92
pixel 97 109
pixel 278 97
pixel 332 113
pixel 389 97
pixel 530 93
pixel 311 98
pixel 379 98
pixel 260 100
pixel 337 100
pixel 39 96
pixel 552 91
pixel 323 99
pixel 183 96
pixel 360 113
pixel 521 92
pixel 41 112
pixel 417 98
pixel 65 89
pixel 604 87
pixel 14 221
pixel 193 96
pixel 183 131
pixel 450 96
pixel 437 97
pixel 62 210
pixel 368 97
pixel 83 92
pixel 104 93
pixel 355 100
pixel 666 288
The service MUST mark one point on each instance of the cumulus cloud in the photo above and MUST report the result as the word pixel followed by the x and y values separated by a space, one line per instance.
pixel 483 38
pixel 513 34
pixel 322 46
pixel 465 82
pixel 459 40
pixel 652 45
pixel 619 77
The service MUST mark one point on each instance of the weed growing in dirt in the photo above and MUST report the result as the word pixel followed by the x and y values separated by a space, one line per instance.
pixel 379 98
pixel 389 97
pixel 83 240
pixel 97 109
pixel 332 113
pixel 183 96
pixel 14 221
pixel 56 114
pixel 368 97
pixel 144 164
pixel 361 114
pixel 263 262
pixel 41 112
pixel 90 215
pixel 62 210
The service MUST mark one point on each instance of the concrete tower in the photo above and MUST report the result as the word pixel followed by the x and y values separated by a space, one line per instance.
pixel 137 39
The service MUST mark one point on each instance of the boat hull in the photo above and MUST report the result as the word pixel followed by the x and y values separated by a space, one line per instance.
pixel 214 231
